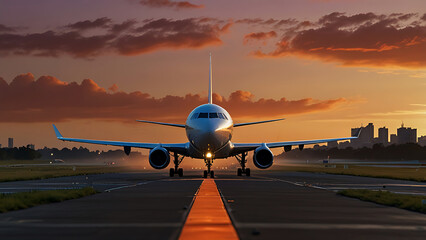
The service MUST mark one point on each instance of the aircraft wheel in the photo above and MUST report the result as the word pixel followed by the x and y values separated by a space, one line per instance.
pixel 205 173
pixel 248 172
pixel 172 172
pixel 211 174
pixel 180 172
pixel 239 172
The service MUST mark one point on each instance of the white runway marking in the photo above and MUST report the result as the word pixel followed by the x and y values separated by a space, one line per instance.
pixel 128 186
pixel 88 225
pixel 331 226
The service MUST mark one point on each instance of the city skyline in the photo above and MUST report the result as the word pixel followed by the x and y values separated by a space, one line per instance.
pixel 367 138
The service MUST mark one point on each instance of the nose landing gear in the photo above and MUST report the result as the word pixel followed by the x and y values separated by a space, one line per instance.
pixel 242 160
pixel 176 169
pixel 207 172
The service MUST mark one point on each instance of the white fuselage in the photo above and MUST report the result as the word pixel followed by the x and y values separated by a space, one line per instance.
pixel 209 130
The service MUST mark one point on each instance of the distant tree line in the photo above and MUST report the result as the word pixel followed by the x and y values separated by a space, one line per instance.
pixel 82 153
pixel 21 153
pixel 24 153
pixel 409 151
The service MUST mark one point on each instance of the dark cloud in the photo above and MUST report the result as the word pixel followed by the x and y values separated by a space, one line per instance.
pixel 48 99
pixel 88 24
pixel 124 38
pixel 53 44
pixel 268 22
pixel 4 28
pixel 172 34
pixel 124 26
pixel 361 39
pixel 170 4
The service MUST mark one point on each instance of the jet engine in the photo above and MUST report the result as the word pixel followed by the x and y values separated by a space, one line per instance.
pixel 159 158
pixel 263 157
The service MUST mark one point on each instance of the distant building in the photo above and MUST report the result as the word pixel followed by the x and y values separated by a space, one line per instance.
pixel 31 146
pixel 365 139
pixel 406 135
pixel 333 144
pixel 10 143
pixel 0 145
pixel 383 136
pixel 393 139
pixel 422 141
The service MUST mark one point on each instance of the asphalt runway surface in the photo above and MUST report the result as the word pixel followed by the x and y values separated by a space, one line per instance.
pixel 267 205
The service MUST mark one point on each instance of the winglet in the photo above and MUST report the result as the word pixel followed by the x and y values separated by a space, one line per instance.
pixel 358 133
pixel 210 81
pixel 58 134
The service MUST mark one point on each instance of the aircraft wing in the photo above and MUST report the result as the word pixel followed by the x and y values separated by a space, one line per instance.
pixel 243 147
pixel 162 123
pixel 252 123
pixel 174 147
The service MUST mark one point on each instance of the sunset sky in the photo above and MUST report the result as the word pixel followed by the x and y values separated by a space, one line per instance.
pixel 92 67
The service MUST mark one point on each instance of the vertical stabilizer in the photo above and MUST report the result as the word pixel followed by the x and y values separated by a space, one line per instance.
pixel 210 81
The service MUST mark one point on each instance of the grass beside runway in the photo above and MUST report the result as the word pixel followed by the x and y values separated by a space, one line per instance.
pixel 22 200
pixel 400 173
pixel 20 173
pixel 404 201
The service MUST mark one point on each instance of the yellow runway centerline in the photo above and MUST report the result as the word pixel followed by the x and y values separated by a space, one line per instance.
pixel 208 218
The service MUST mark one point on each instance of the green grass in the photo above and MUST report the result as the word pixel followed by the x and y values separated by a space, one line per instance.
pixel 50 171
pixel 22 200
pixel 409 202
pixel 401 173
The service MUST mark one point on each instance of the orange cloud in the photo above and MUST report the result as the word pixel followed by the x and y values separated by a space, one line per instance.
pixel 170 4
pixel 358 40
pixel 126 38
pixel 259 36
pixel 48 99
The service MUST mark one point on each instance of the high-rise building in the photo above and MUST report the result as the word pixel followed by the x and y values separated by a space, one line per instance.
pixel 383 136
pixel 406 135
pixel 422 141
pixel 10 143
pixel 366 137
pixel 0 145
pixel 393 139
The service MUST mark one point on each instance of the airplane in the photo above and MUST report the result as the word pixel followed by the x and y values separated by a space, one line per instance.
pixel 209 129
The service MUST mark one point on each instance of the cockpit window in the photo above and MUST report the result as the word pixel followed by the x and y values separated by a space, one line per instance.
pixel 209 115
pixel 213 115
pixel 203 115
pixel 194 116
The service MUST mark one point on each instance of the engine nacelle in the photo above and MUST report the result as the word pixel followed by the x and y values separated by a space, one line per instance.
pixel 159 158
pixel 263 157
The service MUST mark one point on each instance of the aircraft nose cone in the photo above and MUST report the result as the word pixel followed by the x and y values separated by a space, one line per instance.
pixel 209 139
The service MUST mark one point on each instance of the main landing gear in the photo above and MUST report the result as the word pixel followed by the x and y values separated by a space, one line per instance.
pixel 207 172
pixel 176 170
pixel 242 160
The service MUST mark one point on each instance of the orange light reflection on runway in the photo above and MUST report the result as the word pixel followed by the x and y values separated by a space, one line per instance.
pixel 208 218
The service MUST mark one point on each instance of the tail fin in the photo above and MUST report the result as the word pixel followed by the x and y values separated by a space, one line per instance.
pixel 210 81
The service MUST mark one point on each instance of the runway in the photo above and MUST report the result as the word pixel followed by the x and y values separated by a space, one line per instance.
pixel 268 205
